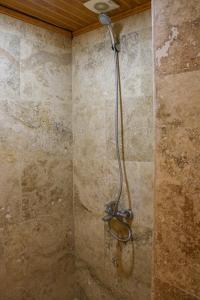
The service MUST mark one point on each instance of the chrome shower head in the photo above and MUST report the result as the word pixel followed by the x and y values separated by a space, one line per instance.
pixel 104 19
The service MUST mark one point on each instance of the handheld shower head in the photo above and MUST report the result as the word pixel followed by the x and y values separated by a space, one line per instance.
pixel 105 20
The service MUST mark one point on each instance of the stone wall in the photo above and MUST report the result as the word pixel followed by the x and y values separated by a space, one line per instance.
pixel 177 97
pixel 37 168
pixel 36 219
pixel 107 269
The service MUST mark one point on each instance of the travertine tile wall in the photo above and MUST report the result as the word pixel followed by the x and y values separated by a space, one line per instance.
pixel 36 219
pixel 106 269
pixel 177 97
pixel 36 213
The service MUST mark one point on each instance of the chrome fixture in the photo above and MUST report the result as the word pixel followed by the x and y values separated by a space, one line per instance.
pixel 105 20
pixel 122 216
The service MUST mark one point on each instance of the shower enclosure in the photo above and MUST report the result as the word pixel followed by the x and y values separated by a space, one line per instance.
pixel 73 113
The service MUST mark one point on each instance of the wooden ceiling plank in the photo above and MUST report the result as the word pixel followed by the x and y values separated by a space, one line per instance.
pixel 33 21
pixel 55 10
pixel 80 4
pixel 78 9
pixel 125 3
pixel 115 18
pixel 38 13
pixel 137 2
pixel 68 11
pixel 71 15
pixel 67 18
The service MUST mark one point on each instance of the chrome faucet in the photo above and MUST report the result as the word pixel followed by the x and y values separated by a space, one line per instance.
pixel 122 215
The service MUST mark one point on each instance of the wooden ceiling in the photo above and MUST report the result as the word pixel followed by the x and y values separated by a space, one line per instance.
pixel 70 17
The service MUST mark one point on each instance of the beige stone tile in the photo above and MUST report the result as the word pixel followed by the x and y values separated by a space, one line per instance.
pixel 89 285
pixel 177 237
pixel 10 200
pixel 128 266
pixel 135 61
pixel 40 36
pixel 41 117
pixel 140 177
pixel 178 153
pixel 137 129
pixel 177 44
pixel 89 235
pixel 58 282
pixel 19 293
pixel 34 248
pixel 45 284
pixel 138 22
pixel 175 12
pixel 164 291
pixel 10 68
pixel 178 100
pixel 89 130
pixel 46 186
pixel 92 182
pixel 45 89
pixel 177 208
pixel 2 261
pixel 94 60
pixel 11 25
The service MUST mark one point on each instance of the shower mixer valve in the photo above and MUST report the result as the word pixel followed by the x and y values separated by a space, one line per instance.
pixel 122 216
pixel 112 212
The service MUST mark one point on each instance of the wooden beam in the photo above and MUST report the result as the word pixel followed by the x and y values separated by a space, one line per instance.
pixel 34 21
pixel 115 18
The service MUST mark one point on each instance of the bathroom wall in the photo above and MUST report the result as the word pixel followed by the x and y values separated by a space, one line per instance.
pixel 36 219
pixel 177 97
pixel 106 269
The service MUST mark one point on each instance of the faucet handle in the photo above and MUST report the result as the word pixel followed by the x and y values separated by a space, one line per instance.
pixel 125 213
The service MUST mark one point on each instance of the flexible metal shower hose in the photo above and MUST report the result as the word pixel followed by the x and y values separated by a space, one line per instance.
pixel 117 146
pixel 117 150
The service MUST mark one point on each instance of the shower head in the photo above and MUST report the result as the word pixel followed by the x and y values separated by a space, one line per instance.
pixel 104 19
pixel 101 7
